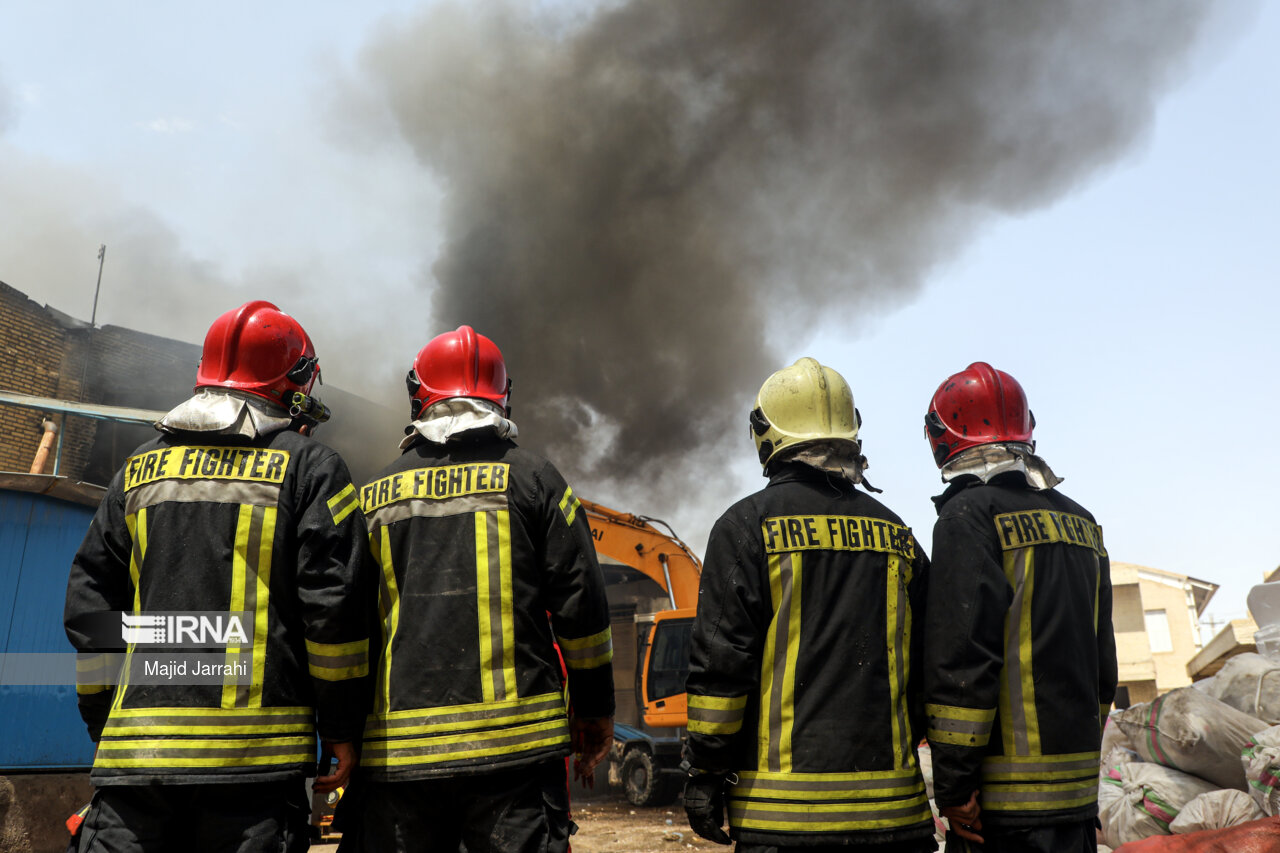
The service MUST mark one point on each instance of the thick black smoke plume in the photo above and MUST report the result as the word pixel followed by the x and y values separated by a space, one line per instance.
pixel 635 204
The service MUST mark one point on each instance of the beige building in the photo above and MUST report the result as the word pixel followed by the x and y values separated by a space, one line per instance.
pixel 1156 615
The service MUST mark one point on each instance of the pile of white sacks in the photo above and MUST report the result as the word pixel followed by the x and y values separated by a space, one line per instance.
pixel 1202 757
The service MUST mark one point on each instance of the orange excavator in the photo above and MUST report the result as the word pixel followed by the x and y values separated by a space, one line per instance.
pixel 651 581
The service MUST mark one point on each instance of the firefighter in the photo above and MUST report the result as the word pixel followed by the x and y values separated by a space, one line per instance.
pixel 1020 665
pixel 804 697
pixel 487 566
pixel 231 508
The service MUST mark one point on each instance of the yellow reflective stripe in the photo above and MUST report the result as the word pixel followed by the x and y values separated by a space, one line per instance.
pixel 569 505
pixel 957 712
pixel 343 503
pixel 1019 719
pixel 512 741
pixel 265 465
pixel 484 608
pixel 226 713
pixel 137 525
pixel 261 601
pixel 506 606
pixel 337 650
pixel 338 661
pixel 716 715
pixel 835 533
pixel 210 721
pixel 91 673
pixel 463 716
pixel 1039 796
pixel 817 787
pixel 389 604
pixel 1014 767
pixel 171 753
pixel 828 817
pixel 894 649
pixel 587 652
pixel 717 703
pixel 239 574
pixel 958 726
pixel 782 647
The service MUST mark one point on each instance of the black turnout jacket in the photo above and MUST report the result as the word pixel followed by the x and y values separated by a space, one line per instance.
pixel 487 566
pixel 804 673
pixel 1020 659
pixel 267 528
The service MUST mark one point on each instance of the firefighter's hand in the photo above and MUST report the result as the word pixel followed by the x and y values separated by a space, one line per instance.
pixel 704 805
pixel 592 740
pixel 346 754
pixel 966 820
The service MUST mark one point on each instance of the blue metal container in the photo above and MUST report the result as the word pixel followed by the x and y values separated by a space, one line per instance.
pixel 40 728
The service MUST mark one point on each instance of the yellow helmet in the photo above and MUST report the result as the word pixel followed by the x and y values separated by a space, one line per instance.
pixel 802 403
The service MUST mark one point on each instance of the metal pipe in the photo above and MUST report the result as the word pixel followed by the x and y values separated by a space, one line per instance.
pixel 57 456
pixel 46 443
pixel 666 575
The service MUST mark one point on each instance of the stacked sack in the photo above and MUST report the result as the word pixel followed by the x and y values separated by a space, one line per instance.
pixel 1174 765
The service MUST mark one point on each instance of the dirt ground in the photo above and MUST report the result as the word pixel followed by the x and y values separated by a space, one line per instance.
pixel 609 824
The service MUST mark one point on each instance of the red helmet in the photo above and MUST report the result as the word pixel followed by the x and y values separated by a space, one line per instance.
pixel 978 405
pixel 458 364
pixel 259 349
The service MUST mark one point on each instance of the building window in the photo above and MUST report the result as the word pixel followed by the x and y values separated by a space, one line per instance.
pixel 1158 631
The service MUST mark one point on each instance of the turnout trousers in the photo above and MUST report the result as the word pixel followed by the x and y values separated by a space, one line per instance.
pixel 253 817
pixel 1057 838
pixel 523 810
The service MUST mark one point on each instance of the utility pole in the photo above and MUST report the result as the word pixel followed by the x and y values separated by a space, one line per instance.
pixel 102 255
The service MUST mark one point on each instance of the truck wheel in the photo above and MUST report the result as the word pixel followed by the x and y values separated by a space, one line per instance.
pixel 644 783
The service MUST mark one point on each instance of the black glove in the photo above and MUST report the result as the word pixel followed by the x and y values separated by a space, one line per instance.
pixel 704 804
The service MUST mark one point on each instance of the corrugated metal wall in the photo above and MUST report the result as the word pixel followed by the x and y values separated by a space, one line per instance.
pixel 39 726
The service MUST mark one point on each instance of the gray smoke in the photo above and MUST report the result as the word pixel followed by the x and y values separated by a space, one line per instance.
pixel 637 202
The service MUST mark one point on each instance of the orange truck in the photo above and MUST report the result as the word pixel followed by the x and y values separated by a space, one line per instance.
pixel 651 581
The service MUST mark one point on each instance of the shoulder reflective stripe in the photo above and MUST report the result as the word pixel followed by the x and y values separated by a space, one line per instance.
pixel 389 609
pixel 438 483
pixel 898 626
pixel 716 715
pixel 957 726
pixel 206 491
pixel 439 749
pixel 457 718
pixel 777 677
pixel 817 787
pixel 1019 720
pixel 338 661
pixel 264 465
pixel 569 505
pixel 343 503
pixel 494 605
pixel 404 510
pixel 829 817
pixel 785 533
pixel 587 652
pixel 1045 527
pixel 209 752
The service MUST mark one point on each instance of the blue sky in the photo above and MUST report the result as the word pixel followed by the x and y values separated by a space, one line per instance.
pixel 201 145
